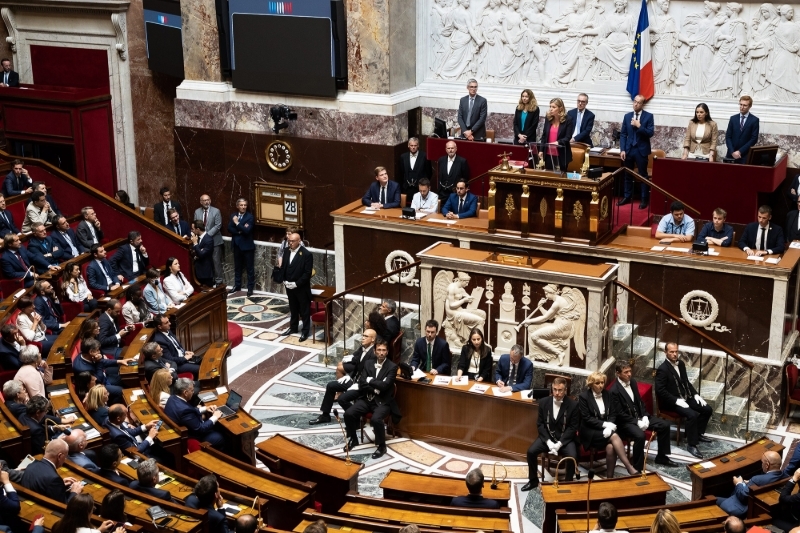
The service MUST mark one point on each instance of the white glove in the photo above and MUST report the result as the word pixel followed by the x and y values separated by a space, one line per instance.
pixel 646 422
pixel 607 432
pixel 642 423
pixel 680 402
pixel 551 445
pixel 290 284
pixel 699 399
pixel 557 447
pixel 610 425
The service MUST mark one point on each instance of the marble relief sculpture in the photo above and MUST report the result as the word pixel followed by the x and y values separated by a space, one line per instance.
pixel 759 50
pixel 614 43
pixel 664 48
pixel 725 73
pixel 456 309
pixel 785 63
pixel 698 36
pixel 550 333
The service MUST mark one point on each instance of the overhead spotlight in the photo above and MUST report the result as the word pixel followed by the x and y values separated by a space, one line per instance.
pixel 281 113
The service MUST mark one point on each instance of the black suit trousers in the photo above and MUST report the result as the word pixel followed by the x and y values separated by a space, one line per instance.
pixel 697 417
pixel 353 415
pixel 346 398
pixel 244 259
pixel 300 308
pixel 633 433
pixel 637 162
pixel 540 446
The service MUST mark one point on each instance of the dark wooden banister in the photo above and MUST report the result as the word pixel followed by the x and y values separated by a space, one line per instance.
pixel 376 278
pixel 682 322
pixel 652 185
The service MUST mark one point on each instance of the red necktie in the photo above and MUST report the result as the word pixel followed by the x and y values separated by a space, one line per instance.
pixel 205 217
pixel 21 261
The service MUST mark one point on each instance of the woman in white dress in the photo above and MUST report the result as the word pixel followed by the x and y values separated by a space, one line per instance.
pixel 176 285
pixel 135 309
pixel 75 288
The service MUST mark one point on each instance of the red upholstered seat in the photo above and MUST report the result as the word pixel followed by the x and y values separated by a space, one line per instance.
pixel 791 381
pixel 128 339
pixel 71 309
pixel 235 334
pixel 192 445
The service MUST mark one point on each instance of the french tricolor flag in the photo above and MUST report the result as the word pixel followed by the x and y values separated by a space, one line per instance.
pixel 640 74
pixel 162 19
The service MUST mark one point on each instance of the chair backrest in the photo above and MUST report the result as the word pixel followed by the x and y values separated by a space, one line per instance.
pixel 149 213
pixel 397 347
pixel 490 134
pixel 578 156
pixel 639 231
pixel 403 197
pixel 549 378
pixel 655 153
pixel 791 378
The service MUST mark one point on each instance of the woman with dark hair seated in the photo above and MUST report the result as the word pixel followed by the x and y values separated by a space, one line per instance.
pixel 77 518
pixel 135 309
pixel 113 507
pixel 123 198
pixel 83 383
pixel 75 288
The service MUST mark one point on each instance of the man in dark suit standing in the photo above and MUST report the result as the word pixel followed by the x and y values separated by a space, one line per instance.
pixel 415 167
pixel 388 310
pixel 295 274
pixel 472 111
pixel 180 411
pixel 15 262
pixel 762 237
pixel 88 229
pixel 212 222
pixel 41 476
pixel 431 353
pixel 100 275
pixel 558 423
pixel 451 168
pixel 160 209
pixel 382 193
pixel 181 227
pixel 6 219
pixel 793 224
pixel 17 181
pixel 203 252
pixel 633 420
pixel 65 238
pixel 131 259
pixel 8 78
pixel 513 372
pixel 742 132
pixel 634 144
pixel 675 393
pixel 240 226
pixel 583 120
pixel 376 395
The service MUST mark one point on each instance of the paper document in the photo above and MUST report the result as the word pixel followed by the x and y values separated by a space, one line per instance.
pixel 658 248
pixel 463 380
pixel 613 151
pixel 677 249
pixel 773 260
pixel 420 215
pixel 442 220
pixel 712 253
pixel 480 389
pixel 795 244
pixel 496 391
pixel 596 150
pixel 316 292
pixel 708 464
pixel 755 258
pixel 92 434
pixel 441 380
pixel 368 211
pixel 418 374
pixel 59 392
pixel 222 390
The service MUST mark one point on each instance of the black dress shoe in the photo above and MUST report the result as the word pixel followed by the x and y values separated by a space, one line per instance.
pixel 235 289
pixel 530 485
pixel 249 293
pixel 377 454
pixel 665 461
pixel 350 445
pixel 694 451
pixel 288 332
pixel 321 419
pixel 643 205
pixel 624 201
pixel 703 438
pixel 303 336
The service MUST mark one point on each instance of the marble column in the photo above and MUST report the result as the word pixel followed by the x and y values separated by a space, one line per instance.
pixel 200 41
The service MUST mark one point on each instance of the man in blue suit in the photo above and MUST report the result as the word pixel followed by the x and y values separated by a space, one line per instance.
pixel 124 435
pixel 205 496
pixel 431 353
pixel 6 219
pixel 147 478
pixel 583 120
pixel 104 370
pixel 76 441
pixel 203 252
pixel 513 372
pixel 240 226
pixel 634 144
pixel 65 238
pixel 17 181
pixel 11 342
pixel 47 305
pixel 762 237
pixel 181 227
pixel 742 132
pixel 15 261
pixel 100 274
pixel 108 460
pixel 736 503
pixel 123 260
pixel 44 253
pixel 383 194
pixel 180 411
pixel 461 204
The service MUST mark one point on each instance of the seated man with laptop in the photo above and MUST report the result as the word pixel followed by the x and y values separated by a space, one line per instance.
pixel 200 421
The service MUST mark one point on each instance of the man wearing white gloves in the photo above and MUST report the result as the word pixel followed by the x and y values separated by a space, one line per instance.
pixel 675 393
pixel 558 423
pixel 633 419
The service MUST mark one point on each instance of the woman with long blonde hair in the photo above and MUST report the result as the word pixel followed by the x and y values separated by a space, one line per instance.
pixel 556 134
pixel 526 118
pixel 160 385
pixel 97 404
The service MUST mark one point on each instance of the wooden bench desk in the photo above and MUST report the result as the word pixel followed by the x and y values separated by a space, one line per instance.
pixel 171 436
pixel 744 461
pixel 60 356
pixel 355 525
pixel 287 498
pixel 213 370
pixel 436 490
pixel 765 499
pixel 132 376
pixel 15 437
pixel 63 401
pixel 438 516
pixel 334 478
pixel 242 428
pixel 201 321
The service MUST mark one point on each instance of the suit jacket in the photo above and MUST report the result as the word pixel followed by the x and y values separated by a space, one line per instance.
pixel 13 186
pixel 204 257
pixel 151 367
pixel 13 269
pixel 52 315
pixel 669 389
pixel 628 411
pixel 242 233
pixel 82 460
pixel 9 356
pixel 85 234
pixel 184 414
pixel 300 269
pixel 441 359
pixel 565 130
pixel 524 372
pixel 108 333
pixel 447 180
pixel 122 262
pixel 41 477
pixel 741 140
pixel 96 278
pixel 707 142
pixel 183 228
pixel 477 120
pixel 38 248
pixel 469 210
pixel 37 433
pixel 736 503
pixel 565 427
pixel 591 427
pixel 213 223
pixel 585 135
pixel 411 176
pixel 158 212
pixel 217 523
pixel 792 233
pixel 125 437
pixel 170 352
pixel 359 358
pixel 17 409
pixel 393 325
pixel 383 381
pixel 484 366
pixel 373 194
pixel 61 241
pixel 114 476
pixel 529 128
pixel 475 501
pixel 13 78
pixel 99 415
pixel 9 510
pixel 775 241
pixel 161 494
pixel 789 504
pixel 794 463
pixel 640 135
pixel 7 224
pixel 96 369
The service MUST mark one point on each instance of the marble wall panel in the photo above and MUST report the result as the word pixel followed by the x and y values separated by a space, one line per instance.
pixel 403 39
pixel 368 45
pixel 5 47
pixel 200 40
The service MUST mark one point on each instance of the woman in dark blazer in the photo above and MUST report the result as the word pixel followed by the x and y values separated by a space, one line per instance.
pixel 598 429
pixel 526 118
pixel 476 358
pixel 563 127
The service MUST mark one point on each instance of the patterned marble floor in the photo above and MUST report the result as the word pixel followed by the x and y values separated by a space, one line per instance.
pixel 283 382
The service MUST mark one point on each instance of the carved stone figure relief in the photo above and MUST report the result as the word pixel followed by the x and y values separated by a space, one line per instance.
pixel 456 309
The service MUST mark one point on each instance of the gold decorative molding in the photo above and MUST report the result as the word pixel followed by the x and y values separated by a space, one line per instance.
pixel 543 208
pixel 510 207
pixel 604 208
pixel 577 212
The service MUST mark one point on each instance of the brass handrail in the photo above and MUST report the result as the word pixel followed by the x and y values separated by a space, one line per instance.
pixel 376 278
pixel 652 185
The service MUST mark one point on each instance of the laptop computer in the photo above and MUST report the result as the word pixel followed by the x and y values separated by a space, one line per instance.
pixel 232 405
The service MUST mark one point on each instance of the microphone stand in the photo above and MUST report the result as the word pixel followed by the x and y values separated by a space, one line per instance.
pixel 590 475
pixel 495 483
pixel 647 451
pixel 346 443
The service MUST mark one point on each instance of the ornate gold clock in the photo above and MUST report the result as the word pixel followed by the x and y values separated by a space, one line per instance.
pixel 279 156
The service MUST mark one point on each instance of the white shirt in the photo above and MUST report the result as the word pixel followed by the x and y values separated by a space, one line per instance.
pixel 135 260
pixel 627 387
pixel 412 159
pixel 450 164
pixel 103 270
pixel 676 368
pixel 578 123
pixel 292 253
pixel 94 235
pixel 556 408
pixel 601 406
pixel 430 203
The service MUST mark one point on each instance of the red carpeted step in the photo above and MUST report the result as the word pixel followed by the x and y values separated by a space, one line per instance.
pixel 235 335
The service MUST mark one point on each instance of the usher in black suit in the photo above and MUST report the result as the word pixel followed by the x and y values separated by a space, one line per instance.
pixel 411 176
pixel 628 413
pixel 299 272
pixel 447 180
pixel 670 388
pixel 562 428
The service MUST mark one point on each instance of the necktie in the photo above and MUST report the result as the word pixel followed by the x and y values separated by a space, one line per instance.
pixel 469 112
pixel 460 205
pixel 762 246
pixel 635 138
pixel 166 208
pixel 177 230
pixel 5 78
pixel 94 235
pixel 578 124
pixel 741 123
pixel 205 217
pixel 21 261
pixel 512 378
pixel 383 195
pixel 5 217
pixel 428 364
pixel 71 246
pixel 175 343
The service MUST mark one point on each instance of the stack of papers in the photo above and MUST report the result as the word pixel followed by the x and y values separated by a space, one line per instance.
pixel 755 258
pixel 368 211
pixel 463 380
pixel 496 391
pixel 418 375
pixel 443 220
pixel 441 380
pixel 773 260
pixel 92 434
pixel 480 389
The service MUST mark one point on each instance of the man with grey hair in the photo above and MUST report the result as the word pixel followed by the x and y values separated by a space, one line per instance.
pixel 474 481
pixel 195 419
pixel 212 219
pixel 125 435
pixel 34 373
pixel 472 111
pixel 76 441
pixel 415 166
pixel 41 476
pixel 15 397
pixel 147 479
pixel 387 310
pixel 34 418
pixel 513 372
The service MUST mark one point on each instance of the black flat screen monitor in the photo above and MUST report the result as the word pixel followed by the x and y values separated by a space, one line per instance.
pixel 763 156
pixel 440 127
